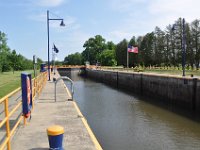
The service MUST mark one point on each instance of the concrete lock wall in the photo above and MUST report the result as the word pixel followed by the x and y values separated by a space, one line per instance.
pixel 184 92
pixel 131 82
pixel 64 71
pixel 197 98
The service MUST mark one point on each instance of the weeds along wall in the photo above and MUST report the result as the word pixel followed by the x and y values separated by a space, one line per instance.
pixel 179 91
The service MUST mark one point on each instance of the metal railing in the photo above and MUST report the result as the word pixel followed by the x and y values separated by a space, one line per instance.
pixel 70 66
pixel 68 79
pixel 37 85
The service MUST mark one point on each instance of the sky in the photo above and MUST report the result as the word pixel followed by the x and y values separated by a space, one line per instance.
pixel 25 22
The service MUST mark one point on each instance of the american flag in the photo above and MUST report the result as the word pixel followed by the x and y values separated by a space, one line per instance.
pixel 132 49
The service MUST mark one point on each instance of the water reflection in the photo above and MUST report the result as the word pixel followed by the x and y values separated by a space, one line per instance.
pixel 124 121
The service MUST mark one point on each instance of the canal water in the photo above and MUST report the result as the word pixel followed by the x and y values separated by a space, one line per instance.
pixel 123 121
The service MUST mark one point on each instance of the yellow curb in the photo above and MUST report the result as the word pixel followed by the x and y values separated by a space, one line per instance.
pixel 93 138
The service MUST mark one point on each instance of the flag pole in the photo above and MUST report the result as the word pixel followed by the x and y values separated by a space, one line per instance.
pixel 127 56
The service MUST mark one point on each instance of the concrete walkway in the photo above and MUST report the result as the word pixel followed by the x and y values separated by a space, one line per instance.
pixel 47 112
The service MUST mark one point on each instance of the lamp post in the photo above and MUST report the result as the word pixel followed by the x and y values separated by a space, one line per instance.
pixel 182 44
pixel 183 48
pixel 61 24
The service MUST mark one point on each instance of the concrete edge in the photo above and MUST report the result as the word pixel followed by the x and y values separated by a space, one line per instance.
pixel 151 74
pixel 93 138
pixel 89 130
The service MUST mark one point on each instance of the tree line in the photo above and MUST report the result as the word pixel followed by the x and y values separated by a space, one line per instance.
pixel 156 48
pixel 97 50
pixel 10 60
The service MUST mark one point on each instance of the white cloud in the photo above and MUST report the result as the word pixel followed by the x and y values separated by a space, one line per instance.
pixel 125 5
pixel 174 6
pixel 179 8
pixel 50 3
pixel 167 11
pixel 141 16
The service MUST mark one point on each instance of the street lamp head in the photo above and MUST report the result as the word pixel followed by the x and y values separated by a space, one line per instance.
pixel 62 24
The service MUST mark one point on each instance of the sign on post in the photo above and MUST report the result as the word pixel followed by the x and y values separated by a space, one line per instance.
pixel 34 59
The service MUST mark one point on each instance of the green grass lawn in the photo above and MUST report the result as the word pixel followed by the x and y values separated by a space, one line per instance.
pixel 10 81
pixel 170 71
pixel 173 72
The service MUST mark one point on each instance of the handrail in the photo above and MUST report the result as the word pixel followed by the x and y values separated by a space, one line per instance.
pixel 72 85
pixel 37 85
pixel 70 66
pixel 10 94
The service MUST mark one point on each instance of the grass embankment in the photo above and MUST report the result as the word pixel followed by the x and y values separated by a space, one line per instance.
pixel 10 81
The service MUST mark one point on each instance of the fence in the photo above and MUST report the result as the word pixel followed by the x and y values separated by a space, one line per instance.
pixel 37 85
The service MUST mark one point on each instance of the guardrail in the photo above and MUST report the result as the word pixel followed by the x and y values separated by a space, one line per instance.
pixel 37 85
pixel 72 85
pixel 67 66
pixel 70 66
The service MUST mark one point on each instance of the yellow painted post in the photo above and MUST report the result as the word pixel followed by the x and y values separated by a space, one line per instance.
pixel 43 80
pixel 24 120
pixel 37 85
pixel 34 88
pixel 7 123
pixel 33 95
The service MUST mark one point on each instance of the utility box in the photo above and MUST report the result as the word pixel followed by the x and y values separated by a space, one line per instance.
pixel 26 86
pixel 42 67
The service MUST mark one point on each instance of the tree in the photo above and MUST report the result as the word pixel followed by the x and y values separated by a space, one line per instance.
pixel 13 59
pixel 24 63
pixel 39 62
pixel 146 50
pixel 4 52
pixel 107 58
pixel 59 63
pixel 110 45
pixel 177 37
pixel 133 57
pixel 169 53
pixel 159 46
pixel 121 52
pixel 93 48
pixel 195 31
pixel 190 57
pixel 73 59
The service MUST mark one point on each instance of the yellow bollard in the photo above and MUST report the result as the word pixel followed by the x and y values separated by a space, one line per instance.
pixel 55 136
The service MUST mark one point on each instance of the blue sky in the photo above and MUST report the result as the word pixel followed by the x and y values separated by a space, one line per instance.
pixel 24 21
